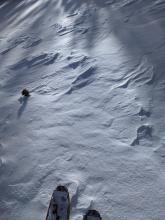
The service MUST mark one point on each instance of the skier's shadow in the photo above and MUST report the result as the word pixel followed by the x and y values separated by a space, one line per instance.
pixel 23 101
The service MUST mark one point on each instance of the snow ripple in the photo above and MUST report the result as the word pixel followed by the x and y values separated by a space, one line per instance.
pixel 42 59
pixel 84 79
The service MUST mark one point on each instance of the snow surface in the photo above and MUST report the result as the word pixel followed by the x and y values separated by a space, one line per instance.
pixel 95 117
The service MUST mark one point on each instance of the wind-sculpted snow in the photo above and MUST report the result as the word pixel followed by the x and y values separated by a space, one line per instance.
pixel 94 120
pixel 76 62
pixel 43 59
pixel 24 41
pixel 143 74
pixel 83 80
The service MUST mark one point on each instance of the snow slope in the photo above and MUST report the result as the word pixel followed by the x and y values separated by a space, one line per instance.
pixel 95 117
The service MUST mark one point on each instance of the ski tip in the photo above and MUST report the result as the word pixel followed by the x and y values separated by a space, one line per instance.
pixel 59 206
pixel 62 188
pixel 92 215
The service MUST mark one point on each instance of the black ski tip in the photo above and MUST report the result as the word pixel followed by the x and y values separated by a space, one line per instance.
pixel 62 188
pixel 93 213
pixel 59 206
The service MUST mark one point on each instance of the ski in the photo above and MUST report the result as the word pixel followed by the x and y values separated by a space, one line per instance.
pixel 92 215
pixel 59 206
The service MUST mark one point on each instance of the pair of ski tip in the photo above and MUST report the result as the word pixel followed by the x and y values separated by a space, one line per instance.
pixel 59 207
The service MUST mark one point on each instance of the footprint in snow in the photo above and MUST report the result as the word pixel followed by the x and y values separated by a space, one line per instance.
pixel 143 132
pixel 144 113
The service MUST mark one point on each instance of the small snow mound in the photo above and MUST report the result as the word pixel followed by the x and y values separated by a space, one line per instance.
pixel 65 30
pixel 85 75
pixel 143 132
pixel 76 63
pixel 11 44
pixel 72 15
pixel 32 43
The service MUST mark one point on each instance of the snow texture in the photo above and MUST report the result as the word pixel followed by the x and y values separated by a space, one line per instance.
pixel 94 120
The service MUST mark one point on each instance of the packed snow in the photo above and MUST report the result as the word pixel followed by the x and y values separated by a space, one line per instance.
pixel 94 120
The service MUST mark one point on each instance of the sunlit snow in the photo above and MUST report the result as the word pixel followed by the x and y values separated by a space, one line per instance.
pixel 95 117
